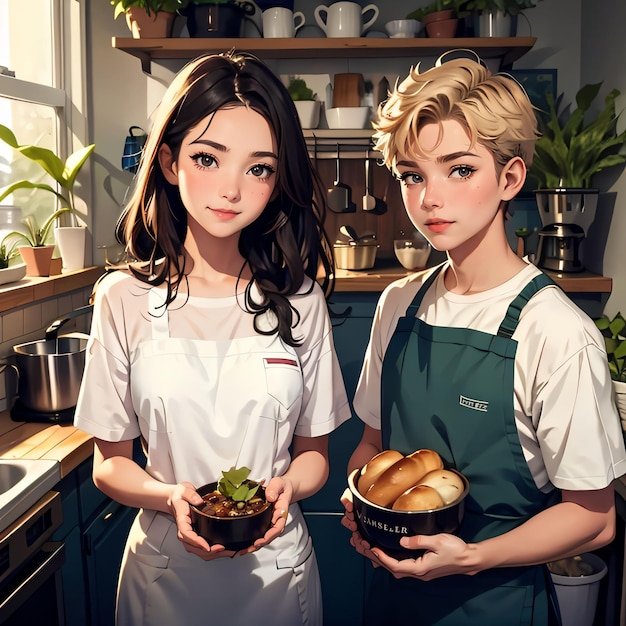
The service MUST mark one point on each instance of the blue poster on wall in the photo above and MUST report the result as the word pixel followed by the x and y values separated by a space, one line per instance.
pixel 537 83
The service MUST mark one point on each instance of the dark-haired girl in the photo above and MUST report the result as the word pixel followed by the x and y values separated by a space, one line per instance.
pixel 214 347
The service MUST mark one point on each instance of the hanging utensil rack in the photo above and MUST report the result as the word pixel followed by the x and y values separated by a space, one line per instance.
pixel 352 144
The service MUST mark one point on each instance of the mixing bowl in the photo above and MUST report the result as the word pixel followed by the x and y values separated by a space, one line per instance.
pixel 412 253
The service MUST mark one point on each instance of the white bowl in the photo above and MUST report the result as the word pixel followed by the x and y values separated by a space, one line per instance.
pixel 403 28
pixel 412 253
pixel 13 273
pixel 347 117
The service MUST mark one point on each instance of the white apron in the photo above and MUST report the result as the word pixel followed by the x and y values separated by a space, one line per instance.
pixel 204 406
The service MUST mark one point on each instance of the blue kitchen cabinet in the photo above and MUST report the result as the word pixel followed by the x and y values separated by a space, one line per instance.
pixel 103 545
pixel 351 315
pixel 94 532
pixel 342 569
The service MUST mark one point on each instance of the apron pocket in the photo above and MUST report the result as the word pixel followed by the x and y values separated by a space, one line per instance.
pixel 283 379
pixel 147 537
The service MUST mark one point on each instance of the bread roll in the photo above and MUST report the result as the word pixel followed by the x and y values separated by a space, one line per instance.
pixel 375 467
pixel 419 498
pixel 429 458
pixel 395 480
pixel 447 483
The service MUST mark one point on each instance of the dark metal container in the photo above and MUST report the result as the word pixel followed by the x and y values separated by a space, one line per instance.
pixel 234 533
pixel 50 372
pixel 383 528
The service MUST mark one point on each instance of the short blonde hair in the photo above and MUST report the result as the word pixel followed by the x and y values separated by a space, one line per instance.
pixel 493 108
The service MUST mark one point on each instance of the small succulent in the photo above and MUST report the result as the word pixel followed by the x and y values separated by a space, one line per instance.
pixel 235 484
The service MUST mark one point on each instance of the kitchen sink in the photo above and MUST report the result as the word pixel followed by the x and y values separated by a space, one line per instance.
pixel 22 483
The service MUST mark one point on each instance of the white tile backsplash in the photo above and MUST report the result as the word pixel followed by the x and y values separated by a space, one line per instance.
pixel 32 318
pixel 13 325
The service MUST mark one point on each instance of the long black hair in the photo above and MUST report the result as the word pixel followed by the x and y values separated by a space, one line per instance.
pixel 285 244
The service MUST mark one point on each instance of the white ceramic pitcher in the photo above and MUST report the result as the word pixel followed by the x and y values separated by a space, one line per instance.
pixel 344 19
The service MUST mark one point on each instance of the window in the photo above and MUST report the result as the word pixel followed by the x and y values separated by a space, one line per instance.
pixel 40 50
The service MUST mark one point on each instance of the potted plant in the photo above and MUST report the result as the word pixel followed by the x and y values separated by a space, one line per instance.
pixel 235 512
pixel 148 18
pixel 216 18
pixel 497 18
pixel 614 334
pixel 440 17
pixel 8 252
pixel 568 154
pixel 64 173
pixel 305 101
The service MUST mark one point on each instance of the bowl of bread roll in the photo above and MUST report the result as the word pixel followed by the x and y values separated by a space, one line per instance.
pixel 396 495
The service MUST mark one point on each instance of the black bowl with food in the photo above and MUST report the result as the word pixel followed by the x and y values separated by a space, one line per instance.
pixel 383 526
pixel 229 518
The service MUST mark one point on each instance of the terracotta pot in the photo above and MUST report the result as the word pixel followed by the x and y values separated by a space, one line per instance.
pixel 155 25
pixel 442 28
pixel 38 260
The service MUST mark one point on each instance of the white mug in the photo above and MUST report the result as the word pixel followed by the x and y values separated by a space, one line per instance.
pixel 344 19
pixel 281 22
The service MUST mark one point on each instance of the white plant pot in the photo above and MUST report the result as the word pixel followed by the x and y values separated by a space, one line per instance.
pixel 71 242
pixel 619 393
pixel 308 112
pixel 578 595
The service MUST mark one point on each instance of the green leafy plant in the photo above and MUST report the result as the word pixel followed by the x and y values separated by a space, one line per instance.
pixel 37 236
pixel 235 484
pixel 511 7
pixel 298 90
pixel 569 152
pixel 8 251
pixel 458 7
pixel 191 3
pixel 615 342
pixel 151 6
pixel 64 173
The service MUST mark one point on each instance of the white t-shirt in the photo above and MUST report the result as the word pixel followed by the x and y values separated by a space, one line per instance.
pixel 123 324
pixel 566 418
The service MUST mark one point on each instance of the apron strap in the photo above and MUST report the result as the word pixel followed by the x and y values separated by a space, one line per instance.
pixel 511 319
pixel 411 311
pixel 158 315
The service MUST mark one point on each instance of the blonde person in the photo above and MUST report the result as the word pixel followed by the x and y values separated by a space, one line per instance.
pixel 214 347
pixel 486 361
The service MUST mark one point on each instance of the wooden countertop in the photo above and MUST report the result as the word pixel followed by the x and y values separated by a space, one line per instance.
pixel 386 271
pixel 27 440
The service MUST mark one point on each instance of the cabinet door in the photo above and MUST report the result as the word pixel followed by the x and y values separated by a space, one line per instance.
pixel 103 545
pixel 351 315
pixel 342 570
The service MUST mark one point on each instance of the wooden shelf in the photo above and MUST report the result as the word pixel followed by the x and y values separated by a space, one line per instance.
pixel 32 289
pixel 508 49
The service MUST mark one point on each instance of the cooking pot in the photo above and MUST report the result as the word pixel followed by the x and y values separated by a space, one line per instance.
pixel 355 255
pixel 50 370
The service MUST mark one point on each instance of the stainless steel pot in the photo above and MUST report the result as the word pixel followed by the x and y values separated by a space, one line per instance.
pixel 50 370
pixel 354 255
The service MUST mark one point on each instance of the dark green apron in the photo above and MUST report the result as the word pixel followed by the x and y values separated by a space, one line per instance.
pixel 451 390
